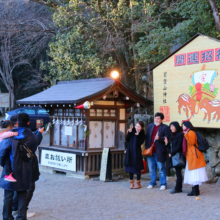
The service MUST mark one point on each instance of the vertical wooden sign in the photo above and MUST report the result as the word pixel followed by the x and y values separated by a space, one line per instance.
pixel 104 162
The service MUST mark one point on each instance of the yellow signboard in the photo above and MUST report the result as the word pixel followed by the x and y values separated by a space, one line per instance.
pixel 187 84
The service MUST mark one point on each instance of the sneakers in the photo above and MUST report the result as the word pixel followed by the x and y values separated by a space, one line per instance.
pixel 10 178
pixel 14 213
pixel 163 187
pixel 151 187
pixel 30 214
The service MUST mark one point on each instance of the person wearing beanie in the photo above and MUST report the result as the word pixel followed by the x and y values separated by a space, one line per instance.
pixel 175 144
pixel 195 172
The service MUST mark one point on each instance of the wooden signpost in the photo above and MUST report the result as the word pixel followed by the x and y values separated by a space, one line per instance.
pixel 106 165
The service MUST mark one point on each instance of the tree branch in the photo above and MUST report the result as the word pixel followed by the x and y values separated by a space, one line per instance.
pixel 215 14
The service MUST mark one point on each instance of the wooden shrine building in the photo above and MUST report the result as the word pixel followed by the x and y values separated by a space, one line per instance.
pixel 78 136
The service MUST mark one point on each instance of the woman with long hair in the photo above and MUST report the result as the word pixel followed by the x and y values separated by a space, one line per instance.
pixel 133 157
pixel 195 172
pixel 175 144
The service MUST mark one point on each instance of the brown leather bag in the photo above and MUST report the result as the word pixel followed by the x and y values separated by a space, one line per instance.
pixel 148 152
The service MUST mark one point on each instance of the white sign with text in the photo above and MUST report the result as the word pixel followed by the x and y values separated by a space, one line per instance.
pixel 104 164
pixel 56 159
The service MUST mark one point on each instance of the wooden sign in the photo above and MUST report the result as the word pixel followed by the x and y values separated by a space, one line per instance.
pixel 104 162
pixel 187 84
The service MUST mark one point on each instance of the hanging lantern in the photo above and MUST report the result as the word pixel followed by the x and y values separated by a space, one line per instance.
pixel 85 105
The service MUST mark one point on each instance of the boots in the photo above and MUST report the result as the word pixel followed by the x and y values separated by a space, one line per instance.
pixel 195 191
pixel 192 193
pixel 138 184
pixel 131 184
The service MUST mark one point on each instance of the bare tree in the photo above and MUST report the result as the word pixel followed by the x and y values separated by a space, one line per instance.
pixel 24 33
pixel 215 13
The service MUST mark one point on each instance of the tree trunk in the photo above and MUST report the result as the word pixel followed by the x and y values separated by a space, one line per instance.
pixel 12 99
pixel 215 14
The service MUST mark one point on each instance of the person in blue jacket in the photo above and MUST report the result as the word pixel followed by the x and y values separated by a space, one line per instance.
pixel 35 174
pixel 155 135
pixel 22 170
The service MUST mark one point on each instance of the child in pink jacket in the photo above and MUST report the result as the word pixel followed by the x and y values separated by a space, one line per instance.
pixel 5 127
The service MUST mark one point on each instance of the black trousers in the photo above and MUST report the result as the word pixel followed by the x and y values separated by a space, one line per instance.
pixel 22 205
pixel 29 196
pixel 131 176
pixel 179 178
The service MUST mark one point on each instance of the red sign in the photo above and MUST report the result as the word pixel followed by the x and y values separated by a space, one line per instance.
pixel 217 54
pixel 166 111
pixel 180 59
pixel 206 56
pixel 193 58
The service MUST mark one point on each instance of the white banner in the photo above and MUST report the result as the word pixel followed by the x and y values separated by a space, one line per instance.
pixel 56 159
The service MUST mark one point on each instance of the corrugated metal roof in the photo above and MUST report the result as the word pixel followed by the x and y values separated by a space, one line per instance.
pixel 75 91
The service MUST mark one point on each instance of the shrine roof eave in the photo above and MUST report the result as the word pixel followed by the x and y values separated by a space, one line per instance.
pixel 78 91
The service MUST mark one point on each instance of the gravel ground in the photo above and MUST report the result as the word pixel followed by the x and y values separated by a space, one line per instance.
pixel 60 197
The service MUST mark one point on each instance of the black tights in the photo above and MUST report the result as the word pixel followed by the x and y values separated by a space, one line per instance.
pixel 131 176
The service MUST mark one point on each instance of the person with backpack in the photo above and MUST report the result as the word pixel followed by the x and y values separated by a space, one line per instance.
pixel 22 169
pixel 35 172
pixel 195 172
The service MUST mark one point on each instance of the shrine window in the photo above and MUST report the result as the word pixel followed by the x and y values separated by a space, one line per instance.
pixel 101 134
pixel 102 113
pixel 69 128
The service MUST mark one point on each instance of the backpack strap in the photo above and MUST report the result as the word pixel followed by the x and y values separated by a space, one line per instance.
pixel 195 150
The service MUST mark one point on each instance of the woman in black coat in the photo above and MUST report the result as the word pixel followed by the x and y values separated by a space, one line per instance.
pixel 133 157
pixel 175 143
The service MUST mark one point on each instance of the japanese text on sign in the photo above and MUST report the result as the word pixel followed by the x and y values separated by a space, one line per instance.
pixel 58 159
pixel 164 87
pixel 166 111
pixel 195 57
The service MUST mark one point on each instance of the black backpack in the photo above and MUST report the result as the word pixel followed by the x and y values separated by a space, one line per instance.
pixel 203 145
pixel 25 152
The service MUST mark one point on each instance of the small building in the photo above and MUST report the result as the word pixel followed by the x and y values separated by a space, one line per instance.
pixel 78 136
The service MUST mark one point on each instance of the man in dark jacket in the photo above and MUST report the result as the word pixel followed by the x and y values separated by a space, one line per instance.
pixel 35 172
pixel 156 132
pixel 22 170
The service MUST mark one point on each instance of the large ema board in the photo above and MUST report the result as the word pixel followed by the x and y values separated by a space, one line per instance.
pixel 187 83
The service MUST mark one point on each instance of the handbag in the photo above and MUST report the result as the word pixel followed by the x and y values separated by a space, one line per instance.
pixel 148 152
pixel 25 152
pixel 178 160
